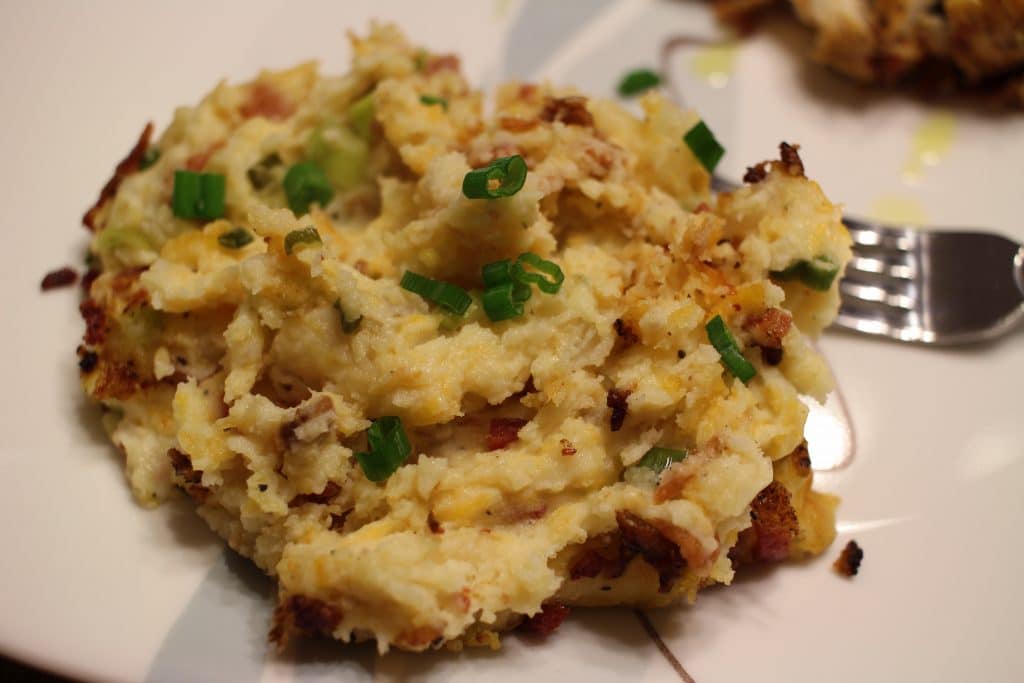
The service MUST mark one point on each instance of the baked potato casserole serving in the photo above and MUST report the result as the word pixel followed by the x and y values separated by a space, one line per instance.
pixel 442 373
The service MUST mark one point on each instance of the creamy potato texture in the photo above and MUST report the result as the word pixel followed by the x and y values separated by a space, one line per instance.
pixel 247 375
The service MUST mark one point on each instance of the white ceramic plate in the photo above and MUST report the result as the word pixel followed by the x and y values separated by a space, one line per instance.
pixel 95 587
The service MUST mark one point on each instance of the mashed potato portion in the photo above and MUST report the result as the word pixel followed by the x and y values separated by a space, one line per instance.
pixel 246 368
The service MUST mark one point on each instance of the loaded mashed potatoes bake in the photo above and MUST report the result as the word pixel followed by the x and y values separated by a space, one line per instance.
pixel 442 373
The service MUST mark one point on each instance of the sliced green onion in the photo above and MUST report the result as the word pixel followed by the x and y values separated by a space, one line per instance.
pixel 704 146
pixel 725 344
pixel 659 459
pixel 235 239
pixel 431 100
pixel 635 82
pixel 348 325
pixel 500 302
pixel 819 273
pixel 149 157
pixel 305 183
pixel 389 449
pixel 361 114
pixel 261 174
pixel 549 268
pixel 500 273
pixel 198 195
pixel 501 178
pixel 444 294
pixel 307 235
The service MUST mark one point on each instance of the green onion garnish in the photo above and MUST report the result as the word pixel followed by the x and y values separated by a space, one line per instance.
pixel 389 448
pixel 149 157
pixel 819 273
pixel 659 459
pixel 704 146
pixel 725 344
pixel 198 195
pixel 549 268
pixel 261 174
pixel 635 82
pixel 305 183
pixel 348 325
pixel 444 294
pixel 431 100
pixel 500 302
pixel 501 178
pixel 307 235
pixel 361 114
pixel 235 239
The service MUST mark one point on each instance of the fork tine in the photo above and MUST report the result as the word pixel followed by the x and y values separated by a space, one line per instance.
pixel 880 319
pixel 867 238
pixel 878 294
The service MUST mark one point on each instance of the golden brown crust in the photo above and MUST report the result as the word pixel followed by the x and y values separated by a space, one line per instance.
pixel 130 164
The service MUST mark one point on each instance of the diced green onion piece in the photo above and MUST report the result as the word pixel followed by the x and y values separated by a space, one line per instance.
pixel 235 239
pixel 444 294
pixel 389 449
pixel 500 273
pixel 198 195
pixel 348 325
pixel 725 344
pixel 659 459
pixel 704 146
pixel 819 273
pixel 305 183
pixel 341 153
pixel 149 157
pixel 500 302
pixel 549 268
pixel 261 174
pixel 501 178
pixel 635 82
pixel 307 235
pixel 361 114
pixel 431 100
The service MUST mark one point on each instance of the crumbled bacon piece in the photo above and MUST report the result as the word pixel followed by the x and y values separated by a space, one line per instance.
pixel 62 277
pixel 304 615
pixel 774 524
pixel 756 173
pixel 89 277
pixel 503 431
pixel 643 538
pixel 130 164
pixel 625 332
pixel 791 161
pixel 848 562
pixel 95 321
pixel 547 620
pixel 601 554
pixel 618 401
pixel 769 327
pixel 266 101
pixel 331 489
pixel 572 111
pixel 441 63
pixel 567 447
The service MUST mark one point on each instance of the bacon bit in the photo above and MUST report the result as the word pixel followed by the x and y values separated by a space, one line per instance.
pixel 441 63
pixel 672 482
pixel 338 521
pixel 268 102
pixel 516 124
pixel 791 161
pixel 304 616
pixel 769 327
pixel 433 524
pixel 63 277
pixel 87 360
pixel 756 173
pixel 617 401
pixel 702 208
pixel 527 91
pixel 848 562
pixel 689 545
pixel 197 162
pixel 331 490
pixel 625 332
pixel 603 553
pixel 547 620
pixel 89 277
pixel 130 164
pixel 801 458
pixel 572 111
pixel 774 524
pixel 567 447
pixel 503 431
pixel 643 538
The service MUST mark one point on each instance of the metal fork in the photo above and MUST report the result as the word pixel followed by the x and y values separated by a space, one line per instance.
pixel 928 286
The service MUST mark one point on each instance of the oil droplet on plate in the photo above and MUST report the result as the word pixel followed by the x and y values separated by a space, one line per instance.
pixel 715 63
pixel 899 209
pixel 930 143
